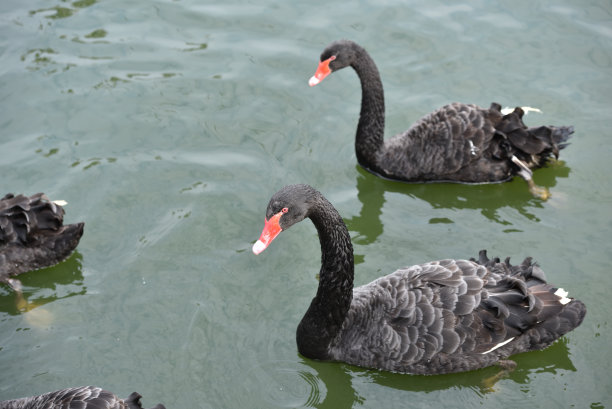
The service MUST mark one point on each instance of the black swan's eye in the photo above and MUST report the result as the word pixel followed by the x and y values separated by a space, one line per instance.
pixel 285 209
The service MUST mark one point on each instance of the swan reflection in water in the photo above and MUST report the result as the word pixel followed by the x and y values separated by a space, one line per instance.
pixel 340 379
pixel 488 199
pixel 43 286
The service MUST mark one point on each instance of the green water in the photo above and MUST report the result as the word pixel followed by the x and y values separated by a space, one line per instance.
pixel 167 125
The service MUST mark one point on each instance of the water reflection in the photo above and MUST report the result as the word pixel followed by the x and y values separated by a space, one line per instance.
pixel 195 47
pixel 551 360
pixel 43 286
pixel 63 11
pixel 338 378
pixel 99 33
pixel 40 58
pixel 489 198
pixel 55 12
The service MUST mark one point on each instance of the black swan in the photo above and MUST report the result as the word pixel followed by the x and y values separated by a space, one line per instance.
pixel 457 143
pixel 83 397
pixel 439 317
pixel 32 235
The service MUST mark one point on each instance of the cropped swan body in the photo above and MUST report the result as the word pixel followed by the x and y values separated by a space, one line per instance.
pixel 438 317
pixel 83 397
pixel 457 143
pixel 33 236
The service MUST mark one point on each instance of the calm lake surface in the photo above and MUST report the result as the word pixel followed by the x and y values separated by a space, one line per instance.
pixel 167 126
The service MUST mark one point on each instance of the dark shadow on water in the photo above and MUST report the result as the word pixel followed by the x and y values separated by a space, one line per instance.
pixel 488 198
pixel 43 286
pixel 338 377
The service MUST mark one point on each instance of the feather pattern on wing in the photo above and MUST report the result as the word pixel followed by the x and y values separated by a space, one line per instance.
pixel 82 397
pixel 443 316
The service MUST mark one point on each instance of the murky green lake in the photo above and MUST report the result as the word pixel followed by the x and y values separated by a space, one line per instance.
pixel 167 125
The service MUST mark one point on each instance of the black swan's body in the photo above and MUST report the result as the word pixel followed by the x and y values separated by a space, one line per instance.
pixel 83 397
pixel 32 235
pixel 438 317
pixel 457 143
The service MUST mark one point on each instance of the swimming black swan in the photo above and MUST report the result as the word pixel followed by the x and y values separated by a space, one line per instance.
pixel 83 397
pixel 32 235
pixel 457 143
pixel 433 318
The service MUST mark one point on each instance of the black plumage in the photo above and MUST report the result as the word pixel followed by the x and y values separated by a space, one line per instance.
pixel 82 397
pixel 32 235
pixel 457 143
pixel 437 317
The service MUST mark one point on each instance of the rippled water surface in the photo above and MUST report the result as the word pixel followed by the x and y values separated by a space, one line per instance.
pixel 167 125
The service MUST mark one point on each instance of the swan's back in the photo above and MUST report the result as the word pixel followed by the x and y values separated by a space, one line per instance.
pixel 469 144
pixel 439 145
pixel 83 397
pixel 32 234
pixel 453 315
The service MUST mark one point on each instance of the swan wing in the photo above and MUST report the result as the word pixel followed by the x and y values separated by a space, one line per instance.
pixel 440 144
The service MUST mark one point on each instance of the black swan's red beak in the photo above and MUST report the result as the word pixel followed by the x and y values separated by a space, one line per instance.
pixel 322 71
pixel 270 231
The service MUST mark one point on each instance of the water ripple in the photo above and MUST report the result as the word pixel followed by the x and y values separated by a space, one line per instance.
pixel 285 384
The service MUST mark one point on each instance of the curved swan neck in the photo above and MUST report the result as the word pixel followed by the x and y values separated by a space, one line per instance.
pixel 326 313
pixel 371 128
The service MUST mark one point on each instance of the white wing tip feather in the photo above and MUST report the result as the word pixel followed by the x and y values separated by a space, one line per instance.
pixel 501 344
pixel 561 293
pixel 507 110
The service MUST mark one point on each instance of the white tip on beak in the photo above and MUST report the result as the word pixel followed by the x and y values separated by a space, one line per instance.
pixel 313 81
pixel 258 247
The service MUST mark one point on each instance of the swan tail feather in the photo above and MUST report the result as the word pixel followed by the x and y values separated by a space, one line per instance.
pixel 532 145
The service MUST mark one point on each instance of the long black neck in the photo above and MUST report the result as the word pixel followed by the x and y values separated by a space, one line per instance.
pixel 371 128
pixel 326 313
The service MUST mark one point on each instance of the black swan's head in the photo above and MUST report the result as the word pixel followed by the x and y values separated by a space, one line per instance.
pixel 287 207
pixel 337 55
